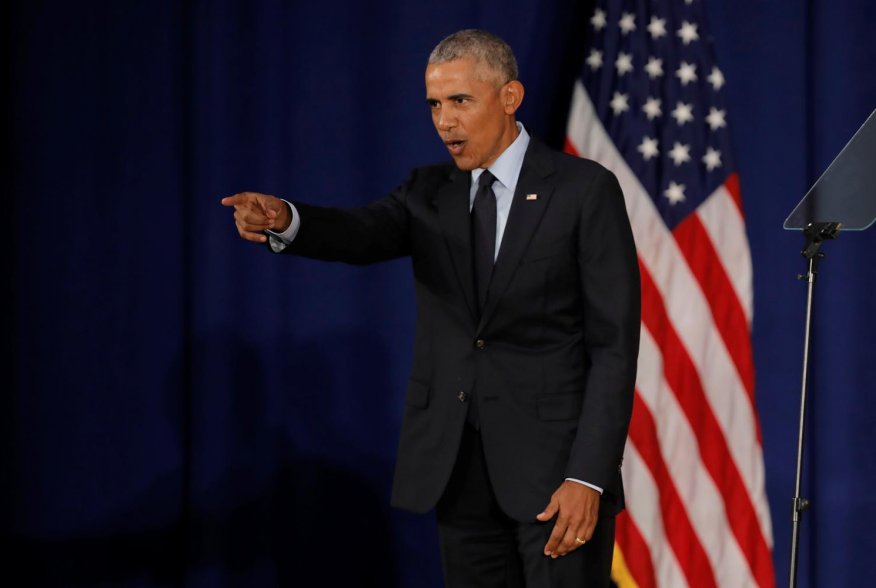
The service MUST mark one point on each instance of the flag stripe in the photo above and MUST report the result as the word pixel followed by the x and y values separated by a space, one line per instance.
pixel 696 246
pixel 721 215
pixel 700 247
pixel 688 550
pixel 642 502
pixel 682 378
pixel 719 249
pixel 697 490
pixel 732 185
pixel 638 571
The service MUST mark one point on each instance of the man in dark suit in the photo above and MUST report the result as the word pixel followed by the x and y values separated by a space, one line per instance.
pixel 527 285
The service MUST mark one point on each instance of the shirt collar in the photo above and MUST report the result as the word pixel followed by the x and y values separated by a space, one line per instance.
pixel 507 166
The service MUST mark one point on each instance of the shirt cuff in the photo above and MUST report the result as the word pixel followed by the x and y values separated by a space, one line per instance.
pixel 279 241
pixel 597 488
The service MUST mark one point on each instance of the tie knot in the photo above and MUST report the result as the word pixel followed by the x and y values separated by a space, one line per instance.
pixel 486 179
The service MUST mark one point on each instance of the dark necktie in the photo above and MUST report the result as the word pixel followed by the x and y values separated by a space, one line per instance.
pixel 483 235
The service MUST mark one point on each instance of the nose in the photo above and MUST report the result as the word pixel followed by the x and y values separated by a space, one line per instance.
pixel 444 120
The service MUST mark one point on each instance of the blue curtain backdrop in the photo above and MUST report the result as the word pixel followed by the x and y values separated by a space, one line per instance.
pixel 182 407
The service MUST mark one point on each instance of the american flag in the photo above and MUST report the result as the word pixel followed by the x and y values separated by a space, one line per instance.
pixel 649 105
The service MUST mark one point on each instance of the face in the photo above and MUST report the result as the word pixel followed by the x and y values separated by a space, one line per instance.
pixel 473 114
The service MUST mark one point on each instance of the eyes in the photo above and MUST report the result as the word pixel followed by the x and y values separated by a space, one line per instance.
pixel 457 100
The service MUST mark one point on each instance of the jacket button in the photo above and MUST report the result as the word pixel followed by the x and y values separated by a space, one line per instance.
pixel 480 344
pixel 463 397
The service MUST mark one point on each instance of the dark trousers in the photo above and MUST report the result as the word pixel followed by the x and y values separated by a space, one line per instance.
pixel 481 547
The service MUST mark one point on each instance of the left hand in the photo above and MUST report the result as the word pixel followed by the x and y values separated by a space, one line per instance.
pixel 577 510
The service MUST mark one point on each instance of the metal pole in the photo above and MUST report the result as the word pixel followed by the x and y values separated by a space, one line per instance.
pixel 800 504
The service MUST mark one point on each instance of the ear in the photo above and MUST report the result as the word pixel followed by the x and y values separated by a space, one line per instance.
pixel 512 96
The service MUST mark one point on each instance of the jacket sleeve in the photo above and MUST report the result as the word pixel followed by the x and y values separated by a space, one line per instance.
pixel 373 233
pixel 609 275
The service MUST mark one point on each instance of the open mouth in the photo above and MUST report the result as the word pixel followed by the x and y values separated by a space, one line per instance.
pixel 455 147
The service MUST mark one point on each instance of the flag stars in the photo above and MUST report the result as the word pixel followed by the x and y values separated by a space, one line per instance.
pixel 682 113
pixel 627 23
pixel 624 63
pixel 594 60
pixel 652 108
pixel 712 159
pixel 687 73
pixel 657 27
pixel 716 118
pixel 716 78
pixel 679 154
pixel 688 32
pixel 598 20
pixel 674 193
pixel 654 67
pixel 648 148
pixel 619 103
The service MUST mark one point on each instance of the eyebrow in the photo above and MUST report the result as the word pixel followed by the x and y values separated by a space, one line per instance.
pixel 430 100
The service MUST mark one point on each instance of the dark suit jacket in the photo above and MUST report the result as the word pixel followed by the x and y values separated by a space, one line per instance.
pixel 551 361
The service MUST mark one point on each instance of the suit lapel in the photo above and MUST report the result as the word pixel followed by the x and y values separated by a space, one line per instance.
pixel 523 219
pixel 454 217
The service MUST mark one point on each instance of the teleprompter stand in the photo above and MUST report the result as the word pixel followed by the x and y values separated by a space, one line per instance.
pixel 844 197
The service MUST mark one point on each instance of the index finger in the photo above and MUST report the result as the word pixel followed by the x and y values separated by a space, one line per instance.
pixel 233 200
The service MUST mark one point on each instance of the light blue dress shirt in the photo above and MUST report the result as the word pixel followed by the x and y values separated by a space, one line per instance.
pixel 506 169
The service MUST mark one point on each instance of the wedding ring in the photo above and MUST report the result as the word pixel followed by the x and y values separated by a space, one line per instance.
pixel 580 541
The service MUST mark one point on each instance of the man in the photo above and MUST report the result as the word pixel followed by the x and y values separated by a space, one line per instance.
pixel 527 289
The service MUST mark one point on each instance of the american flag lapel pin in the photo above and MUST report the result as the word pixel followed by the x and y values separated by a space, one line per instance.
pixel 532 196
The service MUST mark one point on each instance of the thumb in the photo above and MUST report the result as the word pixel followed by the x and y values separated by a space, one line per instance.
pixel 263 206
pixel 549 511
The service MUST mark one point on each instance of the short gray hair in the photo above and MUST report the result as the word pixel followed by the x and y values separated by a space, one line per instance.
pixel 485 48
